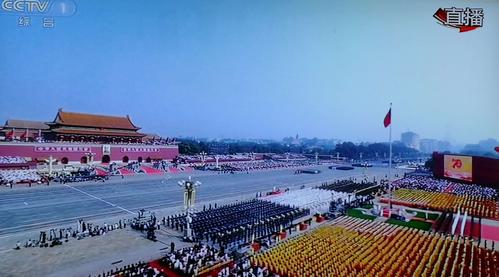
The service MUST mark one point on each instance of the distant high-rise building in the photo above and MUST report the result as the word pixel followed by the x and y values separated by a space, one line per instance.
pixel 488 144
pixel 296 140
pixel 432 145
pixel 428 145
pixel 410 139
pixel 443 145
pixel 483 146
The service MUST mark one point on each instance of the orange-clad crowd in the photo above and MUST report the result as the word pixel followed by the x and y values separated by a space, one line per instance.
pixel 474 205
pixel 356 247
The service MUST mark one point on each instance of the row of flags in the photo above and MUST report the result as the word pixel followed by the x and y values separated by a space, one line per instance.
pixel 10 134
pixel 25 135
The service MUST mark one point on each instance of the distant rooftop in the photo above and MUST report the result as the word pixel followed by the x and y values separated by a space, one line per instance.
pixel 25 124
pixel 93 120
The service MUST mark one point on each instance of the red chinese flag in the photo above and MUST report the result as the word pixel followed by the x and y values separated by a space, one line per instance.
pixel 388 118
pixel 10 134
pixel 25 134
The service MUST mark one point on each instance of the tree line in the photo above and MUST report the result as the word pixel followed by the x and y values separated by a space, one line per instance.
pixel 345 149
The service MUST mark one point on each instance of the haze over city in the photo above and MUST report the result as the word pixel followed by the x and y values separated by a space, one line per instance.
pixel 260 70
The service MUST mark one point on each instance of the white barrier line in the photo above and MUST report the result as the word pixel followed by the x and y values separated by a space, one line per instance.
pixel 100 199
pixel 6 250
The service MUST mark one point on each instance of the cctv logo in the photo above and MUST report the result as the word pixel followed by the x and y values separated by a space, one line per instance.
pixel 26 6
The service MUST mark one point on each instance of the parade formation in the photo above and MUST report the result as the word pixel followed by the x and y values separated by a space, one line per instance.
pixel 267 237
pixel 249 138
pixel 381 224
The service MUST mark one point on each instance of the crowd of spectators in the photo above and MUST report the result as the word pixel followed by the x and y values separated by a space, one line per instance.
pixel 198 158
pixel 191 261
pixel 431 184
pixel 260 165
pixel 139 269
pixel 287 156
pixel 12 160
pixel 14 176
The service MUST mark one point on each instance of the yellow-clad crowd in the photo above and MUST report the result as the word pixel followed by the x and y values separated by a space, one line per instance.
pixel 357 247
pixel 474 205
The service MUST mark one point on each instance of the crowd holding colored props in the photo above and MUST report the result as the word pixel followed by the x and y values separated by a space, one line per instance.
pixel 135 269
pixel 191 261
pixel 14 176
pixel 474 205
pixel 429 183
pixel 355 247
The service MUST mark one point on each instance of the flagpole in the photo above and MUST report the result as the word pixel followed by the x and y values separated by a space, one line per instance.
pixel 390 162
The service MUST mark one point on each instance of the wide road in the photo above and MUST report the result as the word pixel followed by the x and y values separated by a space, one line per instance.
pixel 34 208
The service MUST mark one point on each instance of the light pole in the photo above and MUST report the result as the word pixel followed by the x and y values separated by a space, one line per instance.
pixel 203 157
pixel 189 187
pixel 51 161
pixel 90 157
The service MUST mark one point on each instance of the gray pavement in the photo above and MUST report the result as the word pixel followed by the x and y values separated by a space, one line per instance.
pixel 41 207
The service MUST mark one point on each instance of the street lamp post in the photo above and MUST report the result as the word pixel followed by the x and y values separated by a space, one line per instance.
pixel 189 187
pixel 90 157
pixel 203 157
pixel 51 161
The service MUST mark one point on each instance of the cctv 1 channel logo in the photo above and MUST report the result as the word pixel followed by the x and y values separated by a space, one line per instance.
pixel 38 7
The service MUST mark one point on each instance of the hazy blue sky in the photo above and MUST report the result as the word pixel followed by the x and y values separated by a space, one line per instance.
pixel 259 69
